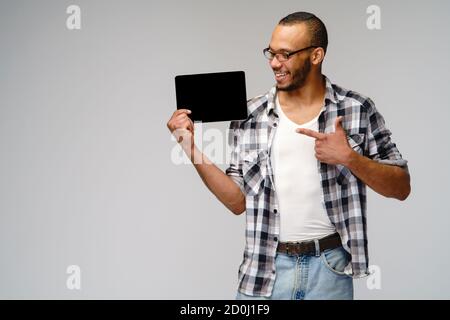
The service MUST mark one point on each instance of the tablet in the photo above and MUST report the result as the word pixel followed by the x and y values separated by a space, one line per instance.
pixel 219 96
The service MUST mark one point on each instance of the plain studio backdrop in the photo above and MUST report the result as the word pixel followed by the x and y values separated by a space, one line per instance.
pixel 87 176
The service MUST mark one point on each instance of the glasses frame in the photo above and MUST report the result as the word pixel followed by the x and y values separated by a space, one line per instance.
pixel 286 55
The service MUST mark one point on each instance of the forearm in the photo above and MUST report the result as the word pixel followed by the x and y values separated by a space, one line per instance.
pixel 221 185
pixel 387 180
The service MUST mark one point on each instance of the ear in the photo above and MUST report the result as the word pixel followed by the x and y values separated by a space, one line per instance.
pixel 317 56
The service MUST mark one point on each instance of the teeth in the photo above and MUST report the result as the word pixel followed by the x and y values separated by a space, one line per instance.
pixel 280 74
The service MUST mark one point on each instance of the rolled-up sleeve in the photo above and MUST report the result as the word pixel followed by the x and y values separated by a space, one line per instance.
pixel 234 171
pixel 381 148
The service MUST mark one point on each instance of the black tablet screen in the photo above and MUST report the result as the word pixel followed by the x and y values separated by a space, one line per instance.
pixel 212 97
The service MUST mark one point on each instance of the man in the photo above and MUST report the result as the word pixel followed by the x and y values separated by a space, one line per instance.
pixel 299 168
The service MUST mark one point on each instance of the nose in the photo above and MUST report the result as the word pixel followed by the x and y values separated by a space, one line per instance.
pixel 274 63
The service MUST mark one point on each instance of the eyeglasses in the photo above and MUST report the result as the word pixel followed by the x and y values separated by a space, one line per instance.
pixel 283 56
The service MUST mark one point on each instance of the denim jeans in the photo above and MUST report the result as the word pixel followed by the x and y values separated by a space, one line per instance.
pixel 306 277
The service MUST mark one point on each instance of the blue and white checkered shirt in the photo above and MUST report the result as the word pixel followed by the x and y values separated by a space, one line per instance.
pixel 344 195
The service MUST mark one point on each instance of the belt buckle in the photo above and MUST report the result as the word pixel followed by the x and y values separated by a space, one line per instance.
pixel 302 246
pixel 290 250
pixel 287 247
pixel 290 247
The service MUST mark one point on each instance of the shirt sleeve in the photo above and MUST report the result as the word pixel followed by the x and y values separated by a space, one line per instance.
pixel 234 171
pixel 381 148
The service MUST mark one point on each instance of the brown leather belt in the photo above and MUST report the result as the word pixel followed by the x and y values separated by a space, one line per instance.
pixel 308 247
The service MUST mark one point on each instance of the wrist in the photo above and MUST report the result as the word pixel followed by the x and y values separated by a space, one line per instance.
pixel 189 150
pixel 350 158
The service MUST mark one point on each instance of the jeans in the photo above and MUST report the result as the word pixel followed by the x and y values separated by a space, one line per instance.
pixel 306 277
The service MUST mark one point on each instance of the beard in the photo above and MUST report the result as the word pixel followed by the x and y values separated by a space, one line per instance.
pixel 298 77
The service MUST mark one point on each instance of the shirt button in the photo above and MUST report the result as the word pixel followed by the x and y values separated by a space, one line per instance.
pixel 275 239
pixel 275 211
pixel 274 124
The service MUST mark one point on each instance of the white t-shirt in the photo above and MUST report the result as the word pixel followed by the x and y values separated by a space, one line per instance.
pixel 297 182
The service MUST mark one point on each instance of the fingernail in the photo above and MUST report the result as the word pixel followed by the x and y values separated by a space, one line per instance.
pixel 189 111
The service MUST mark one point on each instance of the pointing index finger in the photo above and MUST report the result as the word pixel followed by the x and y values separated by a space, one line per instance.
pixel 311 133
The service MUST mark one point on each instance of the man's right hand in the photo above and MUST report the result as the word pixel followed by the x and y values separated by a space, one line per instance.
pixel 182 127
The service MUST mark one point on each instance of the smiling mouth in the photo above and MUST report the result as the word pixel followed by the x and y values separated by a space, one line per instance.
pixel 280 75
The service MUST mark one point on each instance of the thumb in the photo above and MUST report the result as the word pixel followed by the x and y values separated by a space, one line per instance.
pixel 338 124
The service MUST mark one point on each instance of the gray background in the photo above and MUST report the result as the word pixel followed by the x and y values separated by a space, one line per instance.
pixel 86 176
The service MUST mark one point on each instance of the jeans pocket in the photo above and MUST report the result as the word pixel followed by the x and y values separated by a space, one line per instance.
pixel 335 260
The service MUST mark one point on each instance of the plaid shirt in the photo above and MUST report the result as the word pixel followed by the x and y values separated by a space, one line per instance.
pixel 344 195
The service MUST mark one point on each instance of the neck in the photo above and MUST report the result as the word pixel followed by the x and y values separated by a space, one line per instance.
pixel 309 95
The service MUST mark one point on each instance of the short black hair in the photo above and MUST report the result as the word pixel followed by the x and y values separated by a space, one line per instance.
pixel 317 29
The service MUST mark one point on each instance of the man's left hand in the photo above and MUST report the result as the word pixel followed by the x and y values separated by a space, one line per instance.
pixel 330 148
